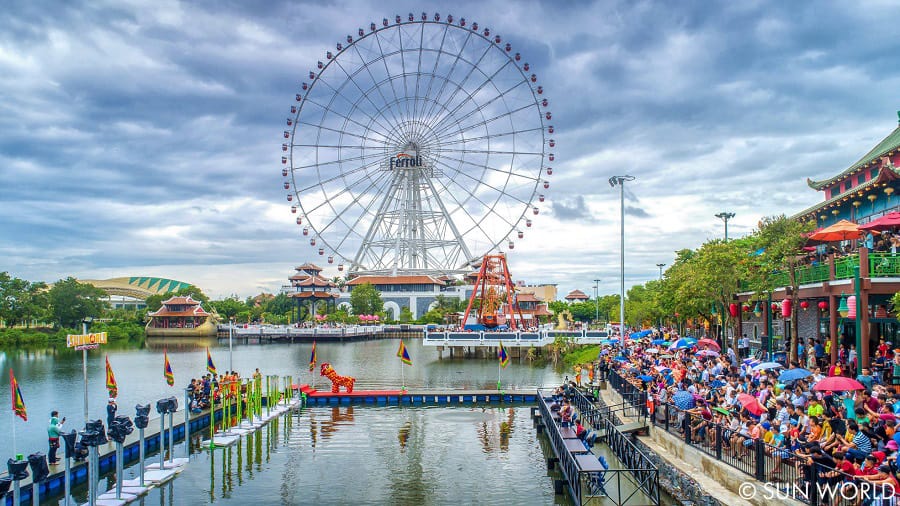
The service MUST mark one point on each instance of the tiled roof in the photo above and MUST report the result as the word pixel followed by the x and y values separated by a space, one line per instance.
pixel 181 301
pixel 576 294
pixel 317 295
pixel 306 280
pixel 885 175
pixel 887 145
pixel 165 312
pixel 308 267
pixel 396 280
pixel 527 297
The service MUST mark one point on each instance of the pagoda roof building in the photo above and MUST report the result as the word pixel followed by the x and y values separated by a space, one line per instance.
pixel 576 295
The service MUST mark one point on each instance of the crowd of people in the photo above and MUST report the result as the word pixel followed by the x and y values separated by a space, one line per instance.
pixel 210 388
pixel 822 419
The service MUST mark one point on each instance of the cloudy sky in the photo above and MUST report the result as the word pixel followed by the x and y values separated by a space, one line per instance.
pixel 144 138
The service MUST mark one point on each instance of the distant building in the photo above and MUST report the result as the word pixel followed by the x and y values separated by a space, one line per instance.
pixel 546 292
pixel 533 308
pixel 416 292
pixel 309 287
pixel 131 292
pixel 576 296
pixel 180 317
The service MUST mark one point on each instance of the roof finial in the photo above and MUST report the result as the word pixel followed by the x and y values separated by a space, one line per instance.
pixel 898 117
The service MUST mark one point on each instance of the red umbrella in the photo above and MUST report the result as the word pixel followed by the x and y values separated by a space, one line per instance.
pixel 838 384
pixel 751 404
pixel 709 343
pixel 886 222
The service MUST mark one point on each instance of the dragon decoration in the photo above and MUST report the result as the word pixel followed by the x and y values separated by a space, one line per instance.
pixel 337 381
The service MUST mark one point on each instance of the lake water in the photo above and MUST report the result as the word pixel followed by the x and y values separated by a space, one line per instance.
pixel 318 455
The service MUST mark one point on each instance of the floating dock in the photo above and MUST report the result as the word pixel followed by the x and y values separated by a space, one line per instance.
pixel 415 397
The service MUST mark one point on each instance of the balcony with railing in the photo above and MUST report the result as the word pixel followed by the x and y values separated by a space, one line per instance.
pixel 881 265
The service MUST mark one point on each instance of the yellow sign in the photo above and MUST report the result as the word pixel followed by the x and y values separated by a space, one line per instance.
pixel 74 340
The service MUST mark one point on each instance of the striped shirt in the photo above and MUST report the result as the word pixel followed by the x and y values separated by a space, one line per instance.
pixel 862 442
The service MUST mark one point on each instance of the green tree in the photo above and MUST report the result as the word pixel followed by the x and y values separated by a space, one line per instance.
pixel 281 304
pixel 405 315
pixel 229 307
pixel 365 299
pixel 71 302
pixel 433 316
pixel 21 301
pixel 780 241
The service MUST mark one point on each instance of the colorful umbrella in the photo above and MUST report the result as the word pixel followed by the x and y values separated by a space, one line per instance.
pixel 840 231
pixel 680 344
pixel 657 342
pixel 794 375
pixel 751 404
pixel 838 384
pixel 721 410
pixel 709 343
pixel 707 353
pixel 683 399
pixel 646 378
pixel 887 222
pixel 651 350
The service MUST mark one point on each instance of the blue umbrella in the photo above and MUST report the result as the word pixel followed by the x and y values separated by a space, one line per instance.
pixel 767 365
pixel 603 352
pixel 656 342
pixel 682 343
pixel 683 399
pixel 793 375
pixel 717 384
pixel 645 377
pixel 621 359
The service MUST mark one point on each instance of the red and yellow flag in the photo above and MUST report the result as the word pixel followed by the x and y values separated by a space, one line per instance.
pixel 312 358
pixel 502 356
pixel 111 380
pixel 18 403
pixel 210 366
pixel 170 377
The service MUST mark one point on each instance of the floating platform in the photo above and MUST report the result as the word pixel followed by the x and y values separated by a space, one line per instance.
pixel 415 397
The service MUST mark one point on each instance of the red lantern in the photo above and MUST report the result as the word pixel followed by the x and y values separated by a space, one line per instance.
pixel 733 310
pixel 823 305
pixel 786 308
pixel 804 305
pixel 774 306
pixel 746 308
pixel 851 306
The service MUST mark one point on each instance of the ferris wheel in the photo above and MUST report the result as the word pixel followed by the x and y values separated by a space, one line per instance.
pixel 416 146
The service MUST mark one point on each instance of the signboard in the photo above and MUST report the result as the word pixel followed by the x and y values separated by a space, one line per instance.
pixel 85 341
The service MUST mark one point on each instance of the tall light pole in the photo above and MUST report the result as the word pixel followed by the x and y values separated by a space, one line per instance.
pixel 660 270
pixel 597 295
pixel 620 181
pixel 659 322
pixel 725 216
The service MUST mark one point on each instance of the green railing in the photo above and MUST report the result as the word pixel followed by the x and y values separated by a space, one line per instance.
pixel 884 265
pixel 843 266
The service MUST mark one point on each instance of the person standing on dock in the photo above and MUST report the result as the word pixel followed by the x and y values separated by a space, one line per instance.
pixel 53 432
pixel 111 408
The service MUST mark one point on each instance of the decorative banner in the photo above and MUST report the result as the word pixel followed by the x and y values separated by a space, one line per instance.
pixel 18 403
pixel 312 358
pixel 403 353
pixel 210 366
pixel 170 377
pixel 85 341
pixel 111 380
pixel 504 358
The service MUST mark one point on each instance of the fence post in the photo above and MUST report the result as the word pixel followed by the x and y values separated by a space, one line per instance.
pixel 667 416
pixel 760 449
pixel 686 425
pixel 719 441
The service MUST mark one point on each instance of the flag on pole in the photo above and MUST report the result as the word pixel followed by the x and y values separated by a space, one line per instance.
pixel 403 353
pixel 170 376
pixel 18 403
pixel 312 358
pixel 210 366
pixel 111 380
pixel 504 358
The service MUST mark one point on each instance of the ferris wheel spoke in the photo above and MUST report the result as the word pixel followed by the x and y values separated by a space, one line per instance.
pixel 491 151
pixel 364 211
pixel 465 140
pixel 485 122
pixel 344 132
pixel 476 224
pixel 477 90
pixel 437 60
pixel 341 174
pixel 343 191
pixel 486 168
pixel 461 84
pixel 481 107
pixel 446 78
pixel 375 82
pixel 389 74
pixel 483 183
pixel 363 94
pixel 338 93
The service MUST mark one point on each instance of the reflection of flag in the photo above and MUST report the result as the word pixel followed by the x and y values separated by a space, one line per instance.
pixel 111 380
pixel 170 377
pixel 18 403
pixel 312 358
pixel 504 358
pixel 210 366
pixel 403 353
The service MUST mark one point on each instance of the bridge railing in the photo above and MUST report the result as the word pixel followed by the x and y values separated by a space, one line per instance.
pixel 602 487
pixel 513 338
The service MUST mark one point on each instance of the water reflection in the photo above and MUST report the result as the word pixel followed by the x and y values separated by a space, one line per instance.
pixel 181 343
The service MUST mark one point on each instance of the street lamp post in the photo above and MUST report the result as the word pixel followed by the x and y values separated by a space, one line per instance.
pixel 620 181
pixel 660 270
pixel 725 216
pixel 597 297
pixel 659 322
pixel 230 335
pixel 84 330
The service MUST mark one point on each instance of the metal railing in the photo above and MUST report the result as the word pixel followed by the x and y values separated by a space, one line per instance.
pixel 596 487
pixel 783 473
